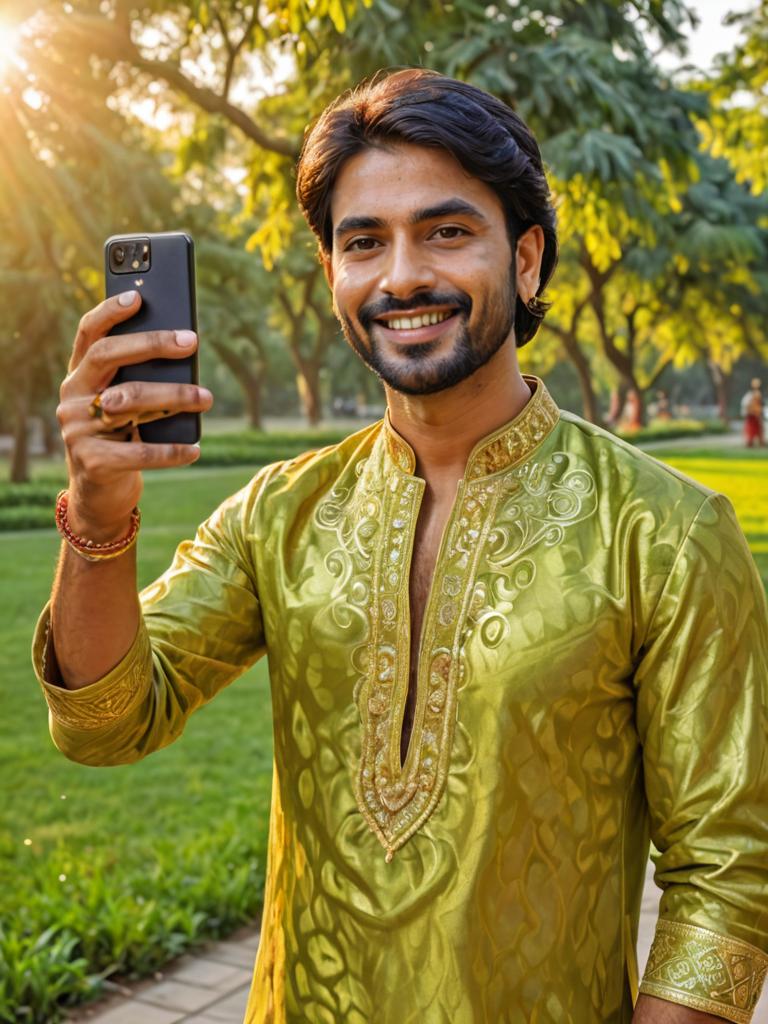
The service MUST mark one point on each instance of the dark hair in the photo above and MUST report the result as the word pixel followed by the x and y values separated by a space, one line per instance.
pixel 424 108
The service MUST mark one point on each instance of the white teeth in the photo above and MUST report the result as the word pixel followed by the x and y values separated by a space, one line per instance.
pixel 410 323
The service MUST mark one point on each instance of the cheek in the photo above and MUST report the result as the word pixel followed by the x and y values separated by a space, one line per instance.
pixel 348 294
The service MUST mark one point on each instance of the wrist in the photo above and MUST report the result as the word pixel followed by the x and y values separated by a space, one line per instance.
pixel 100 543
pixel 85 521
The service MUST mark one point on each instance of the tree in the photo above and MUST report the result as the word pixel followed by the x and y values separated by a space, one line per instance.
pixel 71 173
pixel 738 126
pixel 619 136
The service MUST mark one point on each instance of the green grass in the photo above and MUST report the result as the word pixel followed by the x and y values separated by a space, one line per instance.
pixel 127 866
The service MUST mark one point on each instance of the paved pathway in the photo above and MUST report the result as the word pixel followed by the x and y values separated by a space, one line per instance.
pixel 211 986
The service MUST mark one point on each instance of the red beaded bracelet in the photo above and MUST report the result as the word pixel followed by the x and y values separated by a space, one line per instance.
pixel 89 549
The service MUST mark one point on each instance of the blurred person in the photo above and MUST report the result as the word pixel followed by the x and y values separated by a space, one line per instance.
pixel 663 411
pixel 752 411
pixel 504 646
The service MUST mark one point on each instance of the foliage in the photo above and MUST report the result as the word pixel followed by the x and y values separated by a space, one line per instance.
pixel 236 83
pixel 78 927
pixel 738 126
pixel 661 430
pixel 252 448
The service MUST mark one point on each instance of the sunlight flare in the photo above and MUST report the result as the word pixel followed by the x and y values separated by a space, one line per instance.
pixel 9 40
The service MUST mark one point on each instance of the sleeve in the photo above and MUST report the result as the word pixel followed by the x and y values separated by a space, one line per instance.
pixel 201 627
pixel 703 722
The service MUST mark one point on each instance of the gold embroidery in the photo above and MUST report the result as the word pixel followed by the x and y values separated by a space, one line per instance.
pixel 400 451
pixel 502 449
pixel 518 439
pixel 541 500
pixel 374 523
pixel 86 709
pixel 706 971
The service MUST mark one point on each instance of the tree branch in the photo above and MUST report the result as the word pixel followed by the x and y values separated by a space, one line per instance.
pixel 109 41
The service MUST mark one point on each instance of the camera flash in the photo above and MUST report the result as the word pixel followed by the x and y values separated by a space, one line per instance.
pixel 135 264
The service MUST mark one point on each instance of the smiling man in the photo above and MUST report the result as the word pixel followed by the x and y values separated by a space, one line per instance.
pixel 505 648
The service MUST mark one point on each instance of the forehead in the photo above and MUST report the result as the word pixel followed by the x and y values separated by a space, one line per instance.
pixel 391 183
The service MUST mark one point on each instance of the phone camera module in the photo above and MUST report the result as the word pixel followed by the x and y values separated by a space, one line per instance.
pixel 130 256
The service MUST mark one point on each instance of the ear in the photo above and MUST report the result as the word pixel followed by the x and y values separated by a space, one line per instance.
pixel 325 259
pixel 530 251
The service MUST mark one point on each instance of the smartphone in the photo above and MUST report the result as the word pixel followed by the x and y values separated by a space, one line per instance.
pixel 161 267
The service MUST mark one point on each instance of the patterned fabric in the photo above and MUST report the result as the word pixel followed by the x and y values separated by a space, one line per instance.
pixel 104 702
pixel 705 971
pixel 592 669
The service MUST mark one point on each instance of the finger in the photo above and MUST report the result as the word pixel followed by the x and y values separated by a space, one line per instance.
pixel 100 320
pixel 140 402
pixel 105 356
pixel 100 459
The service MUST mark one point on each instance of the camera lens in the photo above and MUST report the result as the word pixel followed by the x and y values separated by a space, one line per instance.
pixel 119 254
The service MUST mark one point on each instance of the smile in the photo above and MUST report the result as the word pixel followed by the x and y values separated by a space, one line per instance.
pixel 411 323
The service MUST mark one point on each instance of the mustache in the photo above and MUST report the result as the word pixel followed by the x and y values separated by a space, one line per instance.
pixel 372 310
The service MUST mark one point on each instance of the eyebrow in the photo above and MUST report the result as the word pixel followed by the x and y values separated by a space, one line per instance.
pixel 450 208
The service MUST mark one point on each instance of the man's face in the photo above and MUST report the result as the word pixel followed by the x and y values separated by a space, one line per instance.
pixel 421 267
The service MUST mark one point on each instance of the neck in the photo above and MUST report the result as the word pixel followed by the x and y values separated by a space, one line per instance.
pixel 443 428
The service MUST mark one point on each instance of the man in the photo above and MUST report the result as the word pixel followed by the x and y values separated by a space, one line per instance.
pixel 752 411
pixel 503 645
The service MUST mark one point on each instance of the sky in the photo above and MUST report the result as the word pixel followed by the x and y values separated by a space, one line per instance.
pixel 711 36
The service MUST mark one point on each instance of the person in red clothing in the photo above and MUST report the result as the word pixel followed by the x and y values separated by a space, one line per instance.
pixel 752 411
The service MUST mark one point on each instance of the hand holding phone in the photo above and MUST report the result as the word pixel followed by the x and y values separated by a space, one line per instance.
pixel 101 408
pixel 162 268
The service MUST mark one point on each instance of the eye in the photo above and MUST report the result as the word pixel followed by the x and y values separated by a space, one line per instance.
pixel 364 243
pixel 448 232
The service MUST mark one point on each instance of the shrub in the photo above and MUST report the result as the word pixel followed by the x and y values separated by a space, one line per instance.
pixel 668 430
pixel 78 926
pixel 255 448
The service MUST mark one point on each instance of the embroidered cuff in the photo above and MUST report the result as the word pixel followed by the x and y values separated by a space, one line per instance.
pixel 104 701
pixel 704 970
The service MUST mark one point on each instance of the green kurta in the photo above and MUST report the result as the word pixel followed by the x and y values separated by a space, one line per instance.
pixel 592 669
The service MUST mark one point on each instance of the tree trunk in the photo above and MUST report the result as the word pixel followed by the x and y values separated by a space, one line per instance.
pixel 51 435
pixel 308 386
pixel 721 381
pixel 20 456
pixel 616 407
pixel 252 390
pixel 581 365
pixel 250 380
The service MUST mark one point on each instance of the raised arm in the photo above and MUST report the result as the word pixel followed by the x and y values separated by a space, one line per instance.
pixel 95 609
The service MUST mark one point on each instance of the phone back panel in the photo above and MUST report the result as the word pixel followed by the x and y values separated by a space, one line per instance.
pixel 167 290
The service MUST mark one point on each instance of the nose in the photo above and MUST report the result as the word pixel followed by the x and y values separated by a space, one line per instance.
pixel 406 270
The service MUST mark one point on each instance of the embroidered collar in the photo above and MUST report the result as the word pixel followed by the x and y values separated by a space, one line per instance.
pixel 502 449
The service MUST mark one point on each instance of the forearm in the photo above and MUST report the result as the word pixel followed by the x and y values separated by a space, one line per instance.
pixel 650 1010
pixel 94 615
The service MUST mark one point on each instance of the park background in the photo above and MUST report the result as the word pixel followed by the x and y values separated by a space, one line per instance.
pixel 124 116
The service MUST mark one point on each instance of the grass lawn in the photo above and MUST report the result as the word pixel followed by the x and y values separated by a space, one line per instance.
pixel 131 864
pixel 115 850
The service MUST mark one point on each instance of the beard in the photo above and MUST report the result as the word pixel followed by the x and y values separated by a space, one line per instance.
pixel 419 369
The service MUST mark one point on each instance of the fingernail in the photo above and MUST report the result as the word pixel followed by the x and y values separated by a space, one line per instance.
pixel 195 452
pixel 127 298
pixel 186 339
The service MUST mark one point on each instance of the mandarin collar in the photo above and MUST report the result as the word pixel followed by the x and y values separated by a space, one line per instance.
pixel 502 449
